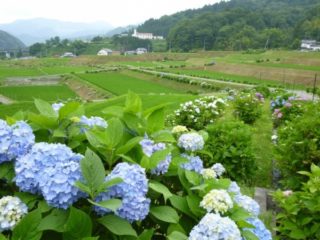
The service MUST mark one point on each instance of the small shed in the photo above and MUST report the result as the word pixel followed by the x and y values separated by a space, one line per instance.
pixel 105 52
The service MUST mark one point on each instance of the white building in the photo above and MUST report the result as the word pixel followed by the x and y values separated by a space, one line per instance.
pixel 140 51
pixel 145 35
pixel 310 45
pixel 67 54
pixel 7 55
pixel 105 52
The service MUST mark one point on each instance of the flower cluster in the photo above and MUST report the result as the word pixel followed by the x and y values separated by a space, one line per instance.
pixel 198 113
pixel 56 106
pixel 218 201
pixel 135 206
pixel 51 170
pixel 12 209
pixel 148 148
pixel 219 169
pixel 248 204
pixel 191 141
pixel 234 188
pixel 15 140
pixel 247 107
pixel 259 229
pixel 213 226
pixel 179 129
pixel 208 173
pixel 93 121
pixel 194 163
pixel 260 97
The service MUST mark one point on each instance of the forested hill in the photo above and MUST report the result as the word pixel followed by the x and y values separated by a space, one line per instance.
pixel 9 42
pixel 240 24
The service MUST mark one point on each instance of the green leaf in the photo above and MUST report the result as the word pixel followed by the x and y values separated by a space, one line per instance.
pixel 112 204
pixel 2 237
pixel 181 204
pixel 90 238
pixel 177 236
pixel 54 221
pixel 146 235
pixel 297 234
pixel 114 111
pixel 93 172
pixel 117 225
pixel 78 225
pixel 128 145
pixel 110 183
pixel 42 121
pixel 193 177
pixel 114 132
pixel 155 121
pixel 7 171
pixel 27 228
pixel 133 103
pixel 45 108
pixel 194 205
pixel 165 214
pixel 71 109
pixel 160 188
pixel 163 136
pixel 248 235
pixel 157 157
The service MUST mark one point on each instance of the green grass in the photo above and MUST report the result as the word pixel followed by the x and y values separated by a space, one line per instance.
pixel 118 83
pixel 28 93
pixel 13 71
pixel 10 110
pixel 226 77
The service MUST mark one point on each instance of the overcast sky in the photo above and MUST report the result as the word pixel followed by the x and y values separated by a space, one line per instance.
pixel 115 12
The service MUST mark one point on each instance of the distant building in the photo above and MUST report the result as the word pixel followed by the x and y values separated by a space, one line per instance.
pixel 310 45
pixel 126 53
pixel 140 51
pixel 105 52
pixel 67 54
pixel 7 54
pixel 145 35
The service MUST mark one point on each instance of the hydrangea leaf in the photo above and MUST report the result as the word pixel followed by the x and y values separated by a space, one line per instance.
pixel 249 235
pixel 2 237
pixel 78 225
pixel 157 157
pixel 93 172
pixel 155 120
pixel 71 109
pixel 133 103
pixel 114 132
pixel 128 145
pixel 163 136
pixel 145 235
pixel 27 228
pixel 54 221
pixel 7 171
pixel 177 236
pixel 112 204
pixel 181 204
pixel 45 108
pixel 165 214
pixel 194 205
pixel 117 225
pixel 160 188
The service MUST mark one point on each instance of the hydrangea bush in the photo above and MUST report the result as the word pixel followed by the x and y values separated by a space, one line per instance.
pixel 198 113
pixel 247 107
pixel 129 179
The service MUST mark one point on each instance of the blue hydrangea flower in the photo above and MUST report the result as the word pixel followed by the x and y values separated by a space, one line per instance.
pixel 234 188
pixel 132 191
pixel 56 106
pixel 213 226
pixel 50 170
pixel 248 204
pixel 191 141
pixel 5 141
pixel 218 168
pixel 93 121
pixel 194 164
pixel 148 148
pixel 15 140
pixel 12 209
pixel 259 229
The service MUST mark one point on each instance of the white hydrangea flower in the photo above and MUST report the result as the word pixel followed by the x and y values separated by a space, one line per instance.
pixel 218 168
pixel 209 173
pixel 179 129
pixel 12 209
pixel 218 201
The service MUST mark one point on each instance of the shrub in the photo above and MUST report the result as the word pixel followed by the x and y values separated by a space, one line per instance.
pixel 265 91
pixel 135 179
pixel 247 107
pixel 299 146
pixel 198 113
pixel 299 216
pixel 230 143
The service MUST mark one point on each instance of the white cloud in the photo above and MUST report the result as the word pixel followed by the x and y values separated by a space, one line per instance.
pixel 115 12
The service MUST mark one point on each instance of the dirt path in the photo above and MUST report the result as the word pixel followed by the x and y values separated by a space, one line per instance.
pixel 4 100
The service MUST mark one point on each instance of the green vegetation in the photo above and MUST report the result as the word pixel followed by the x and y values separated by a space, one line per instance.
pixel 239 25
pixel 119 83
pixel 9 42
pixel 28 93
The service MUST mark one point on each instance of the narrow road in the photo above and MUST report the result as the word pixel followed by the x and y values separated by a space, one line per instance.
pixel 4 100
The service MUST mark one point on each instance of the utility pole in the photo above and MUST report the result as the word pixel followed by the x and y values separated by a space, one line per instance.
pixel 314 87
pixel 204 45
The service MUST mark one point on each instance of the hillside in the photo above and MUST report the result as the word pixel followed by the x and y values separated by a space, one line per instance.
pixel 40 29
pixel 240 24
pixel 8 42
